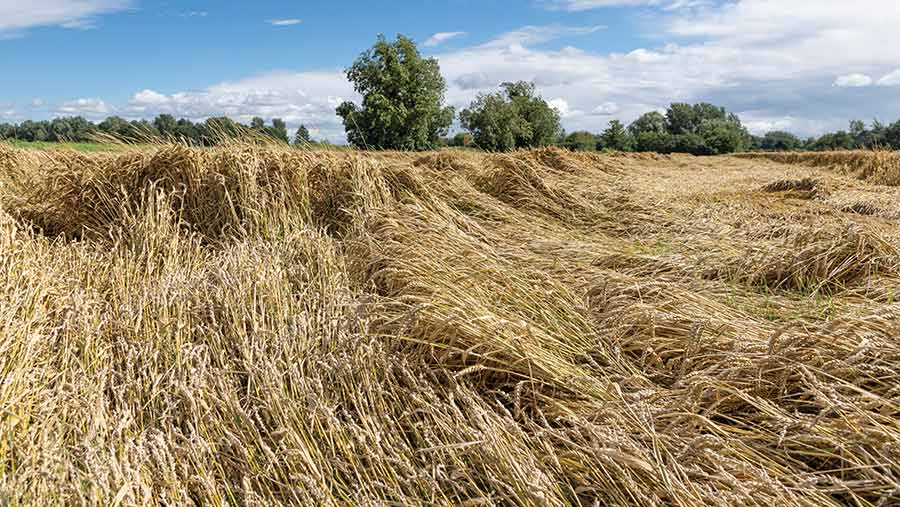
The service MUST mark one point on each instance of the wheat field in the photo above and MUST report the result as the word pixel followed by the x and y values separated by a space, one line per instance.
pixel 258 325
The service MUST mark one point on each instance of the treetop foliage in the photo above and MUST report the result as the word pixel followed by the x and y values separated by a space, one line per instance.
pixel 403 95
pixel 514 117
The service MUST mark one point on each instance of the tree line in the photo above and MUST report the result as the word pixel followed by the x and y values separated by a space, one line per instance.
pixel 205 133
pixel 858 136
pixel 403 108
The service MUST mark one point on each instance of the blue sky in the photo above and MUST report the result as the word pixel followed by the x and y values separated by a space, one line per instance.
pixel 806 66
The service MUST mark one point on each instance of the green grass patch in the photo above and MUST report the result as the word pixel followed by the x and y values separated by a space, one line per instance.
pixel 82 147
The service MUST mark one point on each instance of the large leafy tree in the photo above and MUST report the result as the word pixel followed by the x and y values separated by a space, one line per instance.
pixel 403 95
pixel 515 117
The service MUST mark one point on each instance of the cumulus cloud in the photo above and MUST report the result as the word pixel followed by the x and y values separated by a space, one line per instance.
pixel 285 22
pixel 308 98
pixel 442 37
pixel 853 81
pixel 88 107
pixel 17 15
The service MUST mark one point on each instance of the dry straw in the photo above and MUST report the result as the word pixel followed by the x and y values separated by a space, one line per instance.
pixel 257 325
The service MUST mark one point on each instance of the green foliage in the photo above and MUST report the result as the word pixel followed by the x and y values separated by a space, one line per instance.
pixel 515 117
pixel 649 123
pixel 681 119
pixel 302 136
pixel 461 140
pixel 403 95
pixel 115 126
pixel 891 135
pixel 616 137
pixel 700 129
pixel 780 141
pixel 658 142
pixel 840 140
pixel 79 130
pixel 166 126
pixel 278 130
pixel 581 141
pixel 688 143
pixel 721 137
pixel 91 147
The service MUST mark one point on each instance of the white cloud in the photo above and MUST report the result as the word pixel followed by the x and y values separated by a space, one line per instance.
pixel 148 98
pixel 89 107
pixel 533 35
pixel 606 109
pixel 562 107
pixel 19 15
pixel 442 37
pixel 195 14
pixel 892 79
pixel 37 103
pixel 853 81
pixel 285 22
pixel 308 98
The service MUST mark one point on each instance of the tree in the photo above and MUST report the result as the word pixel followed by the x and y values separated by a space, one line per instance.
pixel 615 137
pixel 219 128
pixel 652 122
pixel 657 142
pixel 302 136
pixel 114 126
pixel 278 130
pixel 403 95
pixel 689 143
pixel 780 141
pixel 891 136
pixel 681 119
pixel 514 117
pixel 580 141
pixel 60 130
pixel 720 137
pixel 840 140
pixel 186 130
pixel 257 123
pixel 166 125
